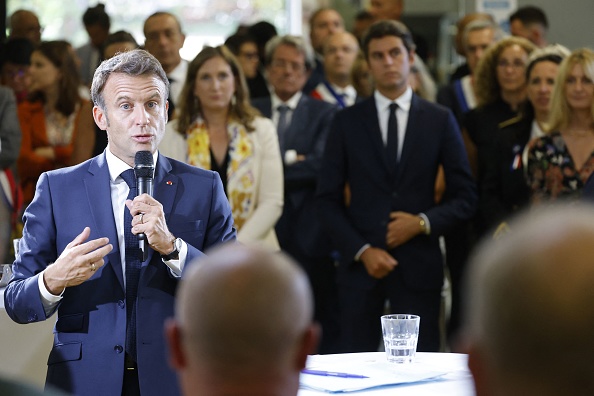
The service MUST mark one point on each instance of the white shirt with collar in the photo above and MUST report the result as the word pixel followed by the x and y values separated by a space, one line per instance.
pixel 178 79
pixel 119 193
pixel 383 113
pixel 291 103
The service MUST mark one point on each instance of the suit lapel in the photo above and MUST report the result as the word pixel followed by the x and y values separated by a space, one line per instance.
pixel 98 190
pixel 165 189
pixel 412 135
pixel 373 131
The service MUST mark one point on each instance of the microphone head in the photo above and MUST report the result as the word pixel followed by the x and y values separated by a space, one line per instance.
pixel 143 164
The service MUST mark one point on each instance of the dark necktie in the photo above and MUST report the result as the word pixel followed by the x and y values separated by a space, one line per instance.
pixel 283 124
pixel 133 264
pixel 392 144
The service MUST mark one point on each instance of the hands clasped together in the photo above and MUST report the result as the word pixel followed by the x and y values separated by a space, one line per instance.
pixel 401 228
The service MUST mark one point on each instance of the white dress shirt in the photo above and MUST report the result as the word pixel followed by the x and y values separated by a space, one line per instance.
pixel 291 104
pixel 383 112
pixel 178 79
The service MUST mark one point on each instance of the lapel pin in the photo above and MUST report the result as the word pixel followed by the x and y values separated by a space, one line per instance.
pixel 169 183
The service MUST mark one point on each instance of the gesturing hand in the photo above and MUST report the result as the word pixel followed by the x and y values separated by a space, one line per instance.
pixel 77 263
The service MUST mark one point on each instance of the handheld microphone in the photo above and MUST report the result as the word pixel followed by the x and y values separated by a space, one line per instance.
pixel 144 170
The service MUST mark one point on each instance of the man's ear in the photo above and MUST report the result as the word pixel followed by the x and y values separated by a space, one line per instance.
pixel 173 336
pixel 100 118
pixel 308 345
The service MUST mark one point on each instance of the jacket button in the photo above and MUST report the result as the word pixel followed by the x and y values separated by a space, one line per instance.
pixel 118 349
pixel 121 303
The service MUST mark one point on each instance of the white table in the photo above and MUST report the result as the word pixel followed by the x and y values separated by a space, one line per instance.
pixel 457 382
pixel 24 349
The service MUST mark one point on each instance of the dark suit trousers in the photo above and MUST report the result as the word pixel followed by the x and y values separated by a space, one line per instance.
pixel 361 327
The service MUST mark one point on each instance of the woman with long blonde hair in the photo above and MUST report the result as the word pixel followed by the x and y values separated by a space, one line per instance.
pixel 560 163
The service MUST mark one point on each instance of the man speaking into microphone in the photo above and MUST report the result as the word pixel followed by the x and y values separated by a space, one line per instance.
pixel 80 254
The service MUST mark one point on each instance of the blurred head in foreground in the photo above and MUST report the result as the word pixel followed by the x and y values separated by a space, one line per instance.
pixel 243 324
pixel 530 315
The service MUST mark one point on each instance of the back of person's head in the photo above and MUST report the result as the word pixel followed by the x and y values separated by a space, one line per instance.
pixel 243 315
pixel 530 15
pixel 530 318
pixel 387 28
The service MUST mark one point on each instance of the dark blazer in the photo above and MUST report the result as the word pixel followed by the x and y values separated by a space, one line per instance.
pixel 307 134
pixel 87 357
pixel 504 189
pixel 355 155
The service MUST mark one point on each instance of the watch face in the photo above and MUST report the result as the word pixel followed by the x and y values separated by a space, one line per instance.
pixel 178 245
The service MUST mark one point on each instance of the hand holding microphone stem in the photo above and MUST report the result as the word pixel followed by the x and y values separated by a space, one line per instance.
pixel 148 218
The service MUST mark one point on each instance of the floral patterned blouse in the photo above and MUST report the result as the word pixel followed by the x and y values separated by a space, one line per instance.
pixel 551 172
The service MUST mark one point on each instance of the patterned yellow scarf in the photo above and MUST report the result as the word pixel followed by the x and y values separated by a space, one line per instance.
pixel 240 176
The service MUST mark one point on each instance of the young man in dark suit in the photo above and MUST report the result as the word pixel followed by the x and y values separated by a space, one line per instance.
pixel 387 150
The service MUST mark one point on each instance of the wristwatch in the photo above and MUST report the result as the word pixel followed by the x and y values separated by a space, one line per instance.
pixel 174 255
pixel 423 225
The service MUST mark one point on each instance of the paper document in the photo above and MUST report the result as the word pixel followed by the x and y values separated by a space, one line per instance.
pixel 379 373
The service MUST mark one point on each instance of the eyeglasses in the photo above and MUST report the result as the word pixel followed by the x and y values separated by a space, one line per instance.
pixel 516 64
pixel 282 64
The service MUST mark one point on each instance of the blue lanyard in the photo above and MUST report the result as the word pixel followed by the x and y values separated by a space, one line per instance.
pixel 339 98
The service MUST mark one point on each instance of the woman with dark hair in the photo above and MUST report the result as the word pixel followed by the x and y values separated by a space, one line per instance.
pixel 504 189
pixel 245 49
pixel 56 123
pixel 218 129
pixel 560 162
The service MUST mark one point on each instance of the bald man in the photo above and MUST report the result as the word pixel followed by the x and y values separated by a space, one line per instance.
pixel 243 325
pixel 25 24
pixel 340 51
pixel 530 318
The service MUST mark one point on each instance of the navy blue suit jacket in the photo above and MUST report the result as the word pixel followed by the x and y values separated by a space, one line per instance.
pixel 307 134
pixel 355 154
pixel 87 357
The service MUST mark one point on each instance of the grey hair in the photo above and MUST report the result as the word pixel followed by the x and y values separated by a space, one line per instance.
pixel 133 63
pixel 480 24
pixel 293 41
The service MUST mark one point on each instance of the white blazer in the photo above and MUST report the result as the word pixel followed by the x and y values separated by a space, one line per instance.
pixel 267 206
